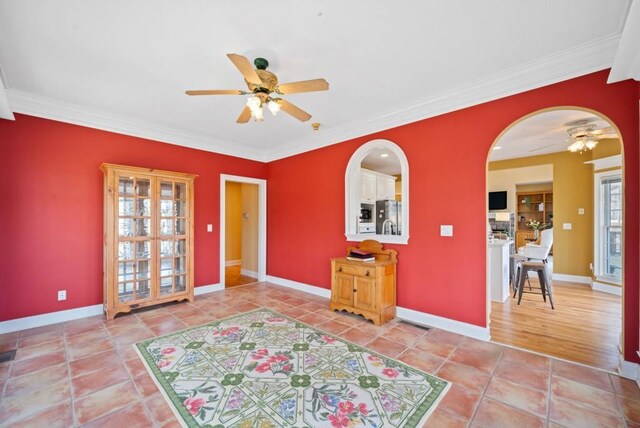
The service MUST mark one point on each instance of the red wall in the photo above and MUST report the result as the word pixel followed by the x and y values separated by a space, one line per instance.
pixel 447 163
pixel 51 204
pixel 51 209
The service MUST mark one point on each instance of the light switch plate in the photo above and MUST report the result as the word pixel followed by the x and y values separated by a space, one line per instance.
pixel 566 226
pixel 581 211
pixel 62 295
pixel 446 230
pixel 209 228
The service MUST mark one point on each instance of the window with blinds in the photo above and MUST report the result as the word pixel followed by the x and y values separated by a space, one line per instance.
pixel 611 227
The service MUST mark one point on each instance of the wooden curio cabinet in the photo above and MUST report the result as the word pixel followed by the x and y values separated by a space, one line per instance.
pixel 148 237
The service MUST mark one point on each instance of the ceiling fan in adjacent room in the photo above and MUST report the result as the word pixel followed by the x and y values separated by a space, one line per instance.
pixel 584 135
pixel 264 88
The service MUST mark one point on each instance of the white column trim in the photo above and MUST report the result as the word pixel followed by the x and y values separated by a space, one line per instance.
pixel 629 370
pixel 626 64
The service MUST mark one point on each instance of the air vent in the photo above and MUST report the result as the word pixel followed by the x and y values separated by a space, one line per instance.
pixel 7 356
pixel 423 327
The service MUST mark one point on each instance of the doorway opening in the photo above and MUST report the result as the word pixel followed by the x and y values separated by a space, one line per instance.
pixel 564 210
pixel 242 230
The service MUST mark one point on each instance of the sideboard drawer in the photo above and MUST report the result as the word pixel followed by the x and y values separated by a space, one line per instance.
pixel 356 270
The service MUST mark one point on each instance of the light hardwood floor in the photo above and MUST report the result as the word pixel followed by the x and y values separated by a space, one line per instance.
pixel 584 327
pixel 233 277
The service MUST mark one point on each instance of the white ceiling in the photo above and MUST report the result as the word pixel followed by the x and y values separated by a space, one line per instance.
pixel 124 65
pixel 377 161
pixel 542 134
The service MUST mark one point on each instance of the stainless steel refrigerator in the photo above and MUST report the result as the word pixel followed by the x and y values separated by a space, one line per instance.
pixel 391 211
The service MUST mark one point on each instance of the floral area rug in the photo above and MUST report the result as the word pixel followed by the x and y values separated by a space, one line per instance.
pixel 263 369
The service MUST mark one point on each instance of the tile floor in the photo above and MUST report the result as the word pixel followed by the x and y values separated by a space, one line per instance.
pixel 85 372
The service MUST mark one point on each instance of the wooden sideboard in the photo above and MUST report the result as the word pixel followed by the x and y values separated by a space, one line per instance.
pixel 366 288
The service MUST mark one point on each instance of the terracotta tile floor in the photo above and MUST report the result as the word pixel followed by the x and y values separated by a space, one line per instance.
pixel 85 372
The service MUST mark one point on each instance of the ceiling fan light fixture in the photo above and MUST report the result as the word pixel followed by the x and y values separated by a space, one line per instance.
pixel 582 137
pixel 273 107
pixel 258 115
pixel 577 146
pixel 255 105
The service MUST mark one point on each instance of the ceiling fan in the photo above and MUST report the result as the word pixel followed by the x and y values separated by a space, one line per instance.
pixel 584 135
pixel 263 85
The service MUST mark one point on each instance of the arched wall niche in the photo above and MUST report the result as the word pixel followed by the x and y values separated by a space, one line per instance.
pixel 353 186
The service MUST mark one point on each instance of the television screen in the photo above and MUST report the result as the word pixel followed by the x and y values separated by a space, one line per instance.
pixel 498 200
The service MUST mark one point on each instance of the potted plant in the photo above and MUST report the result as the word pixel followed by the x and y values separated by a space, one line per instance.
pixel 535 225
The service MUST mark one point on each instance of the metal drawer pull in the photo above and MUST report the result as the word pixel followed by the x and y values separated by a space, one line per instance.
pixel 367 272
pixel 340 269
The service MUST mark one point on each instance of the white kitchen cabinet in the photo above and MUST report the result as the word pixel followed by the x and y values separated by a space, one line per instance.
pixel 367 186
pixel 385 187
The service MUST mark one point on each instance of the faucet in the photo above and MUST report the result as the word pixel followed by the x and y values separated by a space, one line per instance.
pixel 391 227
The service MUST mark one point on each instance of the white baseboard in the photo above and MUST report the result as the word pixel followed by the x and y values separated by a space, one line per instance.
pixel 50 318
pixel 204 289
pixel 74 314
pixel 607 288
pixel 571 278
pixel 417 317
pixel 423 318
pixel 233 262
pixel 629 370
pixel 311 289
pixel 247 272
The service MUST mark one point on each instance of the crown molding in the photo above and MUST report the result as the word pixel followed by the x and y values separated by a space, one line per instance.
pixel 577 61
pixel 5 110
pixel 580 60
pixel 608 162
pixel 47 108
pixel 626 64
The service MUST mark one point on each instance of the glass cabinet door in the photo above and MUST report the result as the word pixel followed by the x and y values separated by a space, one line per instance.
pixel 173 232
pixel 134 238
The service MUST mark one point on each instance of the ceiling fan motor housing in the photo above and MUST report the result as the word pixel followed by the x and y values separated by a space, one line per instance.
pixel 269 80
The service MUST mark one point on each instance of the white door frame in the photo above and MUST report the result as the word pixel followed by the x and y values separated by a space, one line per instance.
pixel 262 222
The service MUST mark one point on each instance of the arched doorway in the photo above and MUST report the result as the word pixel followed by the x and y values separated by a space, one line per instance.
pixel 546 184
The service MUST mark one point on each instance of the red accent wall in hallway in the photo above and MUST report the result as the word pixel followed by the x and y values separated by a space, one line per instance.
pixel 447 159
pixel 51 209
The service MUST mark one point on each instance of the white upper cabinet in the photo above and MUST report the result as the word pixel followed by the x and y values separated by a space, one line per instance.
pixel 367 186
pixel 385 187
pixel 376 187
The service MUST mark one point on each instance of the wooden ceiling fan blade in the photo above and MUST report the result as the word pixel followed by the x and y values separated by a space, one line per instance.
pixel 245 67
pixel 215 92
pixel 303 86
pixel 244 116
pixel 294 111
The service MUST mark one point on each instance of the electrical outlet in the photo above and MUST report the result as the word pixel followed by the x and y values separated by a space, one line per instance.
pixel 62 295
pixel 209 228
pixel 446 230
pixel 580 211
